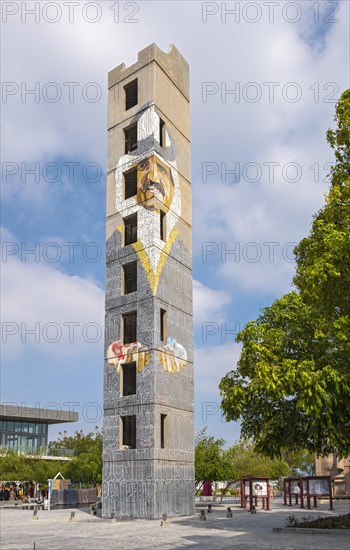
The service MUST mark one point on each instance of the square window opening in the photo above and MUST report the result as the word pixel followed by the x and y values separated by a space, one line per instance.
pixel 163 431
pixel 131 94
pixel 128 379
pixel 163 325
pixel 130 229
pixel 129 328
pixel 161 132
pixel 128 426
pixel 130 134
pixel 162 225
pixel 130 277
pixel 130 183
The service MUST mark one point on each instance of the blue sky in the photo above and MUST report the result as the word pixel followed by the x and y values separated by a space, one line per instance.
pixel 259 164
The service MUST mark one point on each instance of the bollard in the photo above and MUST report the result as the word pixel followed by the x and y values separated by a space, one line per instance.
pixel 112 518
pixel 202 516
pixel 164 522
pixel 253 510
pixel 209 509
pixel 72 516
pixel 35 514
pixel 229 513
pixel 93 509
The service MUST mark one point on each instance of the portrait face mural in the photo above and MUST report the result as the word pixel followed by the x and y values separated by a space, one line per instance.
pixel 155 184
pixel 158 190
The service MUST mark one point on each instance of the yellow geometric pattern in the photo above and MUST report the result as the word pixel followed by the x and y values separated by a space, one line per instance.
pixel 153 278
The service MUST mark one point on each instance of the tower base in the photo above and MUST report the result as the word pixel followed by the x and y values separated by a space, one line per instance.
pixel 160 487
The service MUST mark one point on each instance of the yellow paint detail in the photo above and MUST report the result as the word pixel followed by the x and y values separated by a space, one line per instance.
pixel 120 228
pixel 172 356
pixel 153 278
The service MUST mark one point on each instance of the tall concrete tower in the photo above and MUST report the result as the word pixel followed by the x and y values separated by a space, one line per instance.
pixel 148 460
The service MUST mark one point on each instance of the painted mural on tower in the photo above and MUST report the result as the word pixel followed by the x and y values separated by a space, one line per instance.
pixel 158 190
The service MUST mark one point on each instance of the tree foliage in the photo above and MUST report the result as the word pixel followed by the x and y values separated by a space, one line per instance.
pixel 86 465
pixel 247 462
pixel 19 467
pixel 300 462
pixel 291 389
pixel 211 463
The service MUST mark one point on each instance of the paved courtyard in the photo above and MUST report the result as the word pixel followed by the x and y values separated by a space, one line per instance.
pixel 54 531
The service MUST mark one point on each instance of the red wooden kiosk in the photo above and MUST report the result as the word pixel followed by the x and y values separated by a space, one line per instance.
pixel 293 487
pixel 310 487
pixel 253 489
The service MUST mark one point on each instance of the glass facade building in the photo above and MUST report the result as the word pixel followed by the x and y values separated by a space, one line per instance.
pixel 26 428
pixel 23 434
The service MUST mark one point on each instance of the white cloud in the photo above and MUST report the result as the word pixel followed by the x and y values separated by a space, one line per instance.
pixel 65 312
pixel 211 364
pixel 282 132
pixel 208 303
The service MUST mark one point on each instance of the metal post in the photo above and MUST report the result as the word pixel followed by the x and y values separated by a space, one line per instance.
pixel 302 492
pixel 49 494
pixel 330 494
pixel 268 508
pixel 251 505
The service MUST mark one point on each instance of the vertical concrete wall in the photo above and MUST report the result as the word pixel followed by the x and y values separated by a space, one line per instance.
pixel 148 480
pixel 339 470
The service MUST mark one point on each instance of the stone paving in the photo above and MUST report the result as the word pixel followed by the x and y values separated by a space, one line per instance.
pixel 53 531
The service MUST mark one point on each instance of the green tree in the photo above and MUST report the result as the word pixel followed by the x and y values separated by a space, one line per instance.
pixel 291 389
pixel 20 467
pixel 211 462
pixel 300 462
pixel 45 469
pixel 86 464
pixel 14 467
pixel 247 462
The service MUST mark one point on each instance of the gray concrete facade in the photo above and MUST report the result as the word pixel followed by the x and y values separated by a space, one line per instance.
pixel 156 475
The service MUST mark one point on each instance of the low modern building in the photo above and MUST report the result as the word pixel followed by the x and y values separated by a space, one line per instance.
pixel 25 429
